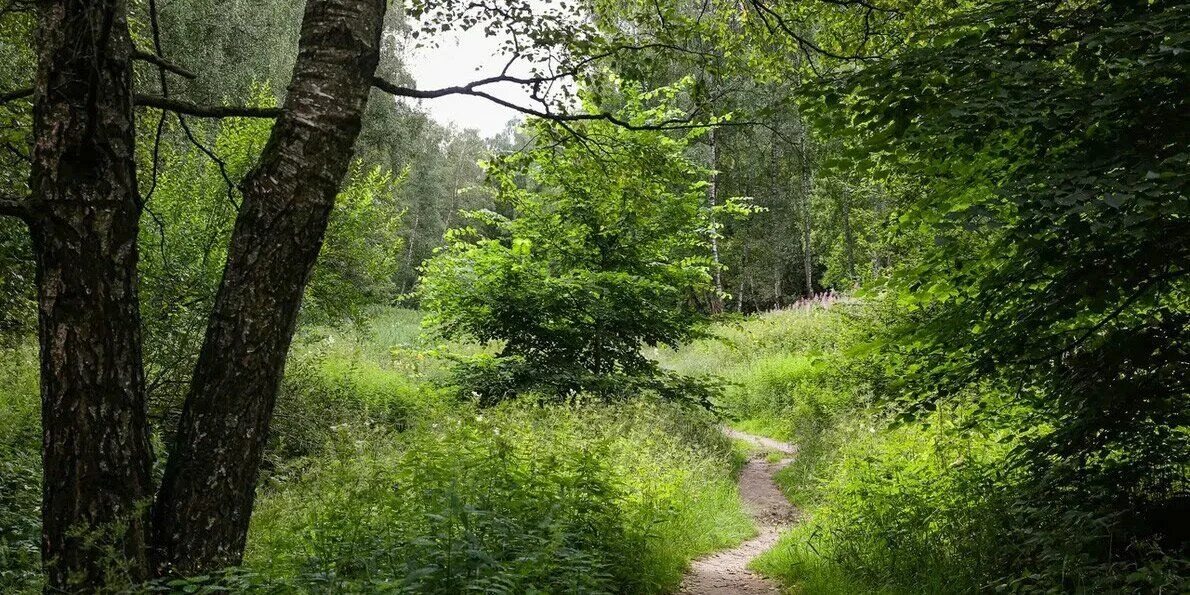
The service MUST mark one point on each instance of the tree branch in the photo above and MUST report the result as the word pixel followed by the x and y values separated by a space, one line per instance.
pixel 151 58
pixel 205 111
pixel 472 90
pixel 162 63
pixel 16 94
pixel 14 207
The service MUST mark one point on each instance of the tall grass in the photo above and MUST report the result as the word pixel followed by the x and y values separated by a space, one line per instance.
pixel 378 480
pixel 924 503
pixel 408 491
pixel 517 499
pixel 892 509
pixel 792 375
pixel 20 472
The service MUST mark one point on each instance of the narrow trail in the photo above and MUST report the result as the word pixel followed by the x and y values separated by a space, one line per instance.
pixel 726 572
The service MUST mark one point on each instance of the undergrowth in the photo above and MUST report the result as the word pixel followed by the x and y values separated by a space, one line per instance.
pixel 378 479
pixel 20 471
pixel 514 499
pixel 413 492
pixel 929 502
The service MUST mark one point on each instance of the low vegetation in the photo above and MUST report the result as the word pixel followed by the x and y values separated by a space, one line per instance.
pixel 933 502
pixel 379 478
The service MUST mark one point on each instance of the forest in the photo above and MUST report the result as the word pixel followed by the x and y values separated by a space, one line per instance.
pixel 746 296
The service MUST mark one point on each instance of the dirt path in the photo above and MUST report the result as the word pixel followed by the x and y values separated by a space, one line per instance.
pixel 726 572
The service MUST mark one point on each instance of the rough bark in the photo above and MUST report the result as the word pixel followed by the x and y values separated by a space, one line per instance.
pixel 83 219
pixel 201 516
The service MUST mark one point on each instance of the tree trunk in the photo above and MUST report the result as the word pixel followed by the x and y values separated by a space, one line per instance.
pixel 739 298
pixel 95 452
pixel 713 201
pixel 848 234
pixel 807 188
pixel 410 274
pixel 201 516
pixel 777 291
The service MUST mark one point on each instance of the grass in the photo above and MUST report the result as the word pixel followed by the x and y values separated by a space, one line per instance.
pixel 884 505
pixel 931 502
pixel 593 499
pixel 20 472
pixel 410 491
pixel 377 479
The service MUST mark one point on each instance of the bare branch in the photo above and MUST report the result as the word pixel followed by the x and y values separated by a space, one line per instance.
pixel 163 64
pixel 205 111
pixel 179 106
pixel 15 207
pixel 16 94
pixel 472 90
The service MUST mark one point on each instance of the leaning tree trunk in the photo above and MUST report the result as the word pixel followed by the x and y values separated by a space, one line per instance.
pixel 83 219
pixel 202 512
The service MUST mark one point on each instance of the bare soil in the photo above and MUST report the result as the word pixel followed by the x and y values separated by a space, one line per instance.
pixel 726 572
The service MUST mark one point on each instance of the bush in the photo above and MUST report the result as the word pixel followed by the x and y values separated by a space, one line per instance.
pixel 605 253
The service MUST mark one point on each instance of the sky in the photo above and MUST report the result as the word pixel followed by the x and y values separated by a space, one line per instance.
pixel 459 59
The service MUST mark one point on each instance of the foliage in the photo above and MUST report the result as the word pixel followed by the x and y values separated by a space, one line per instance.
pixel 189 216
pixel 17 309
pixel 358 263
pixel 604 252
pixel 931 503
pixel 375 482
pixel 17 306
pixel 1049 141
pixel 20 472
pixel 912 509
pixel 515 498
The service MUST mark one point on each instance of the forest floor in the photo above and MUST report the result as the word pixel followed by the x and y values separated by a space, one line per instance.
pixel 726 572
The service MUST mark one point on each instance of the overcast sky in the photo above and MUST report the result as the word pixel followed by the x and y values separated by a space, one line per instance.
pixel 459 59
pixel 462 57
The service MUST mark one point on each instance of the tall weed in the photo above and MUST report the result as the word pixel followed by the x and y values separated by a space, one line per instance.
pixel 20 471
pixel 516 499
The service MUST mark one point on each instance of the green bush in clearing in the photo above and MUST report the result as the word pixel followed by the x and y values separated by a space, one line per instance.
pixel 514 499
